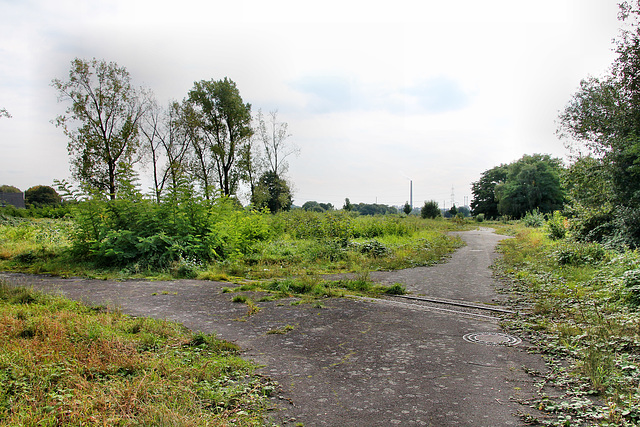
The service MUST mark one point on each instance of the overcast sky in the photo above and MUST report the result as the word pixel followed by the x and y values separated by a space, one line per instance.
pixel 375 93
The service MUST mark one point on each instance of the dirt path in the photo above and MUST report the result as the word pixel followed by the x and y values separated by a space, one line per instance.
pixel 356 362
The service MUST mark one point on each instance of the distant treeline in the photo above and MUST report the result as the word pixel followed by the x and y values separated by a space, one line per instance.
pixel 361 208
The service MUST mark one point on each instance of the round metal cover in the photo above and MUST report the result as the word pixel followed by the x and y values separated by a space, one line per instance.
pixel 492 338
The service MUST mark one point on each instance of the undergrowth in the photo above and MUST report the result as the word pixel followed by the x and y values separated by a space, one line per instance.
pixel 582 303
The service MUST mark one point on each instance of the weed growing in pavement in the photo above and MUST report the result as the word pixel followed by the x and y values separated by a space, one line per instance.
pixel 282 330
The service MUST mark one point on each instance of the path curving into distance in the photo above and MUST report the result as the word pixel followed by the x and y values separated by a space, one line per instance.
pixel 358 362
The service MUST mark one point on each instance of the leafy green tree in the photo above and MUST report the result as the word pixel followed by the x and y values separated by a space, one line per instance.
pixel 453 211
pixel 430 209
pixel 101 123
pixel 9 189
pixel 273 193
pixel 223 126
pixel 464 210
pixel 347 205
pixel 484 197
pixel 533 182
pixel 407 208
pixel 42 195
pixel 601 124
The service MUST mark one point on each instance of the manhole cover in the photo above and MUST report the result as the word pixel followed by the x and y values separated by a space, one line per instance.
pixel 492 338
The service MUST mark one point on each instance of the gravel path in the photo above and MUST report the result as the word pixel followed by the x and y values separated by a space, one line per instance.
pixel 357 362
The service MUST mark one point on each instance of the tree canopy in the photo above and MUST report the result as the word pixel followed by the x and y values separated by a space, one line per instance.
pixel 223 126
pixel 42 195
pixel 272 192
pixel 484 191
pixel 530 183
pixel 9 189
pixel 101 123
pixel 533 182
pixel 204 144
pixel 430 209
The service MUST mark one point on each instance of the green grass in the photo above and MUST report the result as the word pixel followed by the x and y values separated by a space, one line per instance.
pixel 62 363
pixel 583 317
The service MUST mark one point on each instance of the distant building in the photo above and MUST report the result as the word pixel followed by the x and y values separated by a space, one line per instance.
pixel 14 199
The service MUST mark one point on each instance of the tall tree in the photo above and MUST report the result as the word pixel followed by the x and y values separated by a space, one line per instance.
pixel 200 160
pixel 101 123
pixel 533 182
pixel 484 197
pixel 252 164
pixel 224 125
pixel 430 209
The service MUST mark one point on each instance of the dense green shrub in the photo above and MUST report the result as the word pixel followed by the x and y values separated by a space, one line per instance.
pixel 120 233
pixel 534 219
pixel 430 209
pixel 576 254
pixel 370 227
pixel 396 289
pixel 371 247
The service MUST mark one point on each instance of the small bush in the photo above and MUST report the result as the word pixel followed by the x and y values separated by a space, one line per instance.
pixel 557 226
pixel 239 298
pixel 533 219
pixel 373 248
pixel 479 217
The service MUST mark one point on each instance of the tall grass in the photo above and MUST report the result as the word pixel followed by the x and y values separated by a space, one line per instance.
pixel 65 364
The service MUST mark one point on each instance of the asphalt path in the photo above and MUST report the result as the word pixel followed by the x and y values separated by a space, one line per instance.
pixel 356 362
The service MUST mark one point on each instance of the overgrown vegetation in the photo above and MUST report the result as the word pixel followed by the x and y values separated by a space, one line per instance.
pixel 186 236
pixel 582 302
pixel 62 363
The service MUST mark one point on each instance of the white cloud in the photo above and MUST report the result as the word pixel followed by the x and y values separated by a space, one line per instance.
pixel 373 92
